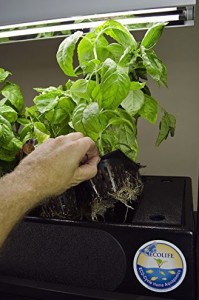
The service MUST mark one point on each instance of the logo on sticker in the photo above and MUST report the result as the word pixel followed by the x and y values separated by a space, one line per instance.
pixel 159 266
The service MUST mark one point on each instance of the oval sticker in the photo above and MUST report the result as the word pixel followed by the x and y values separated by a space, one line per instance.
pixel 159 266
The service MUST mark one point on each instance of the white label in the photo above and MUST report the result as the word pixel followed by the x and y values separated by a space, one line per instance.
pixel 159 266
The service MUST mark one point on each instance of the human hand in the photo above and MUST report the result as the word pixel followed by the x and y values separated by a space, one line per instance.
pixel 60 163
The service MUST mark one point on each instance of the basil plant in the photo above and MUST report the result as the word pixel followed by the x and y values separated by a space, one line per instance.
pixel 108 87
pixel 105 94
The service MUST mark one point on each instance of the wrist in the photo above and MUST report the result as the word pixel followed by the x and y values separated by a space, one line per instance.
pixel 30 184
pixel 17 197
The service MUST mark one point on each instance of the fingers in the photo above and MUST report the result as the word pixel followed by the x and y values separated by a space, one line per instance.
pixel 88 150
pixel 75 136
pixel 90 159
pixel 62 140
pixel 83 152
pixel 86 171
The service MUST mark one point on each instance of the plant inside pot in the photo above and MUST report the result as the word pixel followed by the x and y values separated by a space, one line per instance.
pixel 104 99
pixel 113 194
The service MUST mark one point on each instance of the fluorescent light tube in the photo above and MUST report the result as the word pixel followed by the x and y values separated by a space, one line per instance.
pixel 95 16
pixel 87 25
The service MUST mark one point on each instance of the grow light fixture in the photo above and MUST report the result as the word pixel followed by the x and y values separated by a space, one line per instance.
pixel 134 19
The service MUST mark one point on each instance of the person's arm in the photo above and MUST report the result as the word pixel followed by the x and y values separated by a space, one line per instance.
pixel 49 170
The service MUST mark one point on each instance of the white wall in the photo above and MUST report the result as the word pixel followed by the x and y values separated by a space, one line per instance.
pixel 177 156
pixel 33 64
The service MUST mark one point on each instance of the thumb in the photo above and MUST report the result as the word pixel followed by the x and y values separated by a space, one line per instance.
pixel 87 171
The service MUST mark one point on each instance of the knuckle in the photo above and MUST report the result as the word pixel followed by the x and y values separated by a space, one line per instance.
pixel 89 140
pixel 60 140
pixel 75 134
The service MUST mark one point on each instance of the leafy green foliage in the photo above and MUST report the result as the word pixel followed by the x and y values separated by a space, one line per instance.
pixel 65 53
pixel 51 114
pixel 11 106
pixel 110 92
pixel 167 126
pixel 107 97
pixel 13 95
pixel 152 36
pixel 3 74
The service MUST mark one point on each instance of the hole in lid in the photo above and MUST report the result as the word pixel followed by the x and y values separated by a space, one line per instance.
pixel 157 218
pixel 167 180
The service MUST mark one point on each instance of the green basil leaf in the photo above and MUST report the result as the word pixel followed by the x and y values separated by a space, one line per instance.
pixel 155 67
pixel 118 32
pixel 91 86
pixel 31 112
pixel 152 35
pixel 41 133
pixel 8 113
pixel 27 133
pixel 59 116
pixel 50 89
pixel 127 141
pixel 127 119
pixel 3 101
pixel 77 118
pixel 117 51
pixel 105 143
pixel 6 155
pixel 14 145
pixel 5 122
pixel 97 93
pixel 61 129
pixel 91 121
pixel 167 125
pixel 3 74
pixel 90 66
pixel 6 134
pixel 12 92
pixel 136 85
pixel 103 53
pixel 66 104
pixel 79 90
pixel 149 110
pixel 10 145
pixel 108 67
pixel 124 137
pixel 115 85
pixel 23 121
pixel 128 57
pixel 65 53
pixel 86 48
pixel 46 102
pixel 133 102
pixel 9 150
pixel 49 115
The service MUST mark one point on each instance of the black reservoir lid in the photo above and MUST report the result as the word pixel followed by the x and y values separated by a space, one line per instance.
pixel 163 201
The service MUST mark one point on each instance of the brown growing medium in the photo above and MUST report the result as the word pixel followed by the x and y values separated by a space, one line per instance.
pixel 64 206
pixel 127 192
